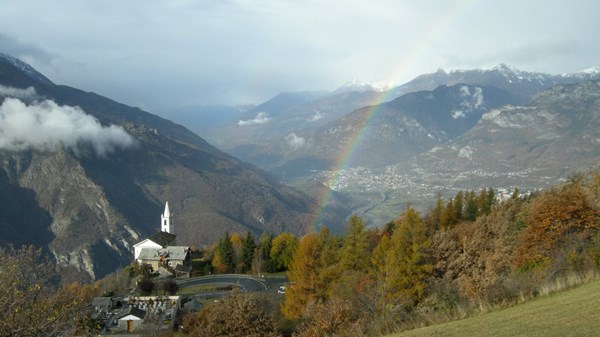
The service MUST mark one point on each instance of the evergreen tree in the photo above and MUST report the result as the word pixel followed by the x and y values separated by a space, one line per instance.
pixel 237 243
pixel 485 201
pixel 458 206
pixel 471 207
pixel 448 218
pixel 248 250
pixel 265 243
pixel 515 194
pixel 226 253
pixel 490 200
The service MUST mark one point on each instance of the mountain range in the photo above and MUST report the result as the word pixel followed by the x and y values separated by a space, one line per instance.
pixel 530 146
pixel 382 149
pixel 89 187
pixel 92 180
pixel 297 136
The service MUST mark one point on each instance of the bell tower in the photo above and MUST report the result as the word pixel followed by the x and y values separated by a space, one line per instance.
pixel 165 220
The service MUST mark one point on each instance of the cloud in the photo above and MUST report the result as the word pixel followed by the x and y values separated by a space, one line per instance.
pixel 13 46
pixel 318 115
pixel 261 118
pixel 47 126
pixel 294 141
pixel 26 94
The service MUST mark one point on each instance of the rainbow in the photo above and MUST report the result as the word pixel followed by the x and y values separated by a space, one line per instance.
pixel 347 155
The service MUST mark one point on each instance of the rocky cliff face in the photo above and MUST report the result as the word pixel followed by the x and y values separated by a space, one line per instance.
pixel 527 146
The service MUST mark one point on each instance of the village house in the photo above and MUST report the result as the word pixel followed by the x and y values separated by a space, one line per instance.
pixel 170 256
pixel 131 319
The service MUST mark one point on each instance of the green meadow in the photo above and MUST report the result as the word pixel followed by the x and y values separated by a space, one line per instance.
pixel 574 312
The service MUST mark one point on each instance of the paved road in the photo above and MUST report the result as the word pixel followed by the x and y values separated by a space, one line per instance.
pixel 245 282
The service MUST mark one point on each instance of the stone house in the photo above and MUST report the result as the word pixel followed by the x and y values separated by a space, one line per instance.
pixel 171 256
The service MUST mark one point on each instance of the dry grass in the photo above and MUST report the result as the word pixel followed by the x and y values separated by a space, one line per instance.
pixel 568 313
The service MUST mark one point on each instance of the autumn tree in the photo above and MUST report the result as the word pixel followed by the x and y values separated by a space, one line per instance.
pixel 354 252
pixel 29 303
pixel 329 270
pixel 410 265
pixel 433 218
pixel 557 218
pixel 381 266
pixel 448 215
pixel 282 251
pixel 475 256
pixel 304 276
pixel 337 317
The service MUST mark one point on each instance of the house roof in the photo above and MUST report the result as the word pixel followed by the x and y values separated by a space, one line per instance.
pixel 183 269
pixel 163 238
pixel 192 306
pixel 102 302
pixel 139 313
pixel 168 253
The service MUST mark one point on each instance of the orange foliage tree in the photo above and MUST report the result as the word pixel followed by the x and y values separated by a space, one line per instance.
pixel 304 275
pixel 557 218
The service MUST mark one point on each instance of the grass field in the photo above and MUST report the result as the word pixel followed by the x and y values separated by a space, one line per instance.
pixel 570 313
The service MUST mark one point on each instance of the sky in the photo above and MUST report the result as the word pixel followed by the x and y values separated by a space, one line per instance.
pixel 160 55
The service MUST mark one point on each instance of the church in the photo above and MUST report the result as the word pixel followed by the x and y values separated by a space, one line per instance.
pixel 159 250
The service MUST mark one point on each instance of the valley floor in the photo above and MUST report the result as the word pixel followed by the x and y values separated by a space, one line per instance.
pixel 570 313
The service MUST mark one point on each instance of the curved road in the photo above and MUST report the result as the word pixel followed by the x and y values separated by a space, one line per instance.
pixel 246 282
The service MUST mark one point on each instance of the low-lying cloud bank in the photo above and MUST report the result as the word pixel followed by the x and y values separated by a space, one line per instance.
pixel 294 141
pixel 47 126
pixel 261 118
pixel 27 94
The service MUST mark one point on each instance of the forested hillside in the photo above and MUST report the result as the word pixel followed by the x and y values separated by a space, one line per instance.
pixel 465 252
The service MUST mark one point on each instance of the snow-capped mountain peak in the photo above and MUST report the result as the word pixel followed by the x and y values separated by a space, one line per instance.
pixel 26 68
pixel 588 72
pixel 505 69
pixel 357 85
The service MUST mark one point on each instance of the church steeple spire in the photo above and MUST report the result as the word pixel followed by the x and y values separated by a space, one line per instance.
pixel 165 220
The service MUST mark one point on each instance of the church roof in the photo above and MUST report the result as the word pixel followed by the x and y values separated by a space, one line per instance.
pixel 166 213
pixel 163 238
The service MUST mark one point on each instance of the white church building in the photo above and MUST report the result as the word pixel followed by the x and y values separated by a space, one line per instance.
pixel 160 247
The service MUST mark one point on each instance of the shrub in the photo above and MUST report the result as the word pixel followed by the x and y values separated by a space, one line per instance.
pixel 145 286
pixel 170 287
pixel 235 316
